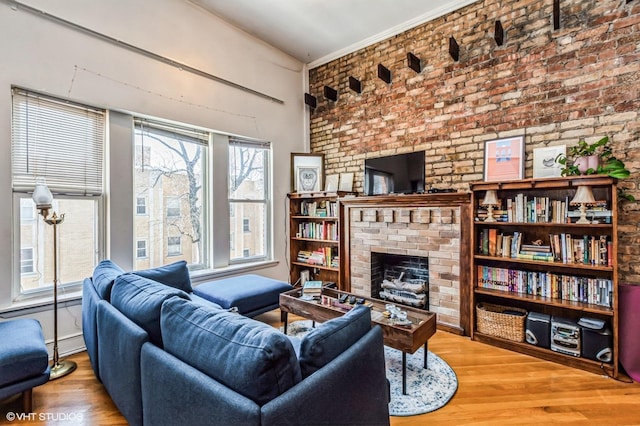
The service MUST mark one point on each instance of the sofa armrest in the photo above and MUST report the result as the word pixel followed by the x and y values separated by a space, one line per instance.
pixel 120 341
pixel 350 390
pixel 174 393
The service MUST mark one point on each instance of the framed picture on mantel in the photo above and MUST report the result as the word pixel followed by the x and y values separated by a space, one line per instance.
pixel 307 172
pixel 504 159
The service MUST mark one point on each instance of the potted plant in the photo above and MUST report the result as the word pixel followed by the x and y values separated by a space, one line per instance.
pixel 594 158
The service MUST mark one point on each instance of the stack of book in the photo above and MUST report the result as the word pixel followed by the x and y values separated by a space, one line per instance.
pixel 536 252
pixel 312 288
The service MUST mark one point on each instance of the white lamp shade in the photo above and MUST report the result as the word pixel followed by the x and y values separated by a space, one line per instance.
pixel 490 198
pixel 583 195
pixel 41 194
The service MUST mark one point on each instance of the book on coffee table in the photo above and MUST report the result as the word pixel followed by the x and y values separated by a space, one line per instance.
pixel 312 288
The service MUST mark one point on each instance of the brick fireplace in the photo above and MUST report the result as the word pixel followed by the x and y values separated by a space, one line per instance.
pixel 427 226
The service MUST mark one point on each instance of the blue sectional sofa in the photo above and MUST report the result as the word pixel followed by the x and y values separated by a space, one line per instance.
pixel 167 356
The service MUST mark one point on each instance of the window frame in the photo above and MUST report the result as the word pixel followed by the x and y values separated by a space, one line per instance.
pixel 266 202
pixel 63 185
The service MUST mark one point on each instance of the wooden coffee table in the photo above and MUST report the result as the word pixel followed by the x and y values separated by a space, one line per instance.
pixel 406 338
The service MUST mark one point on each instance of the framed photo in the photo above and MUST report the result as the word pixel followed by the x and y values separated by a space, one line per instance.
pixel 544 161
pixel 307 172
pixel 331 183
pixel 504 159
pixel 346 182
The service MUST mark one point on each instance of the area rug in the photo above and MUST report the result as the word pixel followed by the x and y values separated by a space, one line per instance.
pixel 427 390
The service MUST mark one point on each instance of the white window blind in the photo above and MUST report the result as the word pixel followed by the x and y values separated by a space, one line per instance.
pixel 59 140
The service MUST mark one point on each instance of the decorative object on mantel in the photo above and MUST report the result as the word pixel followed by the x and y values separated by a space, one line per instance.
pixel 583 196
pixel 331 183
pixel 346 182
pixel 43 199
pixel 490 200
pixel 427 389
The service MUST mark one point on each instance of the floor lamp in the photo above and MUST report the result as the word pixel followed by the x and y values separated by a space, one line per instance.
pixel 43 199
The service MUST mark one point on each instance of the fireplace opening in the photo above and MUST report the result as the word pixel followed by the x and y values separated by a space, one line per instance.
pixel 400 279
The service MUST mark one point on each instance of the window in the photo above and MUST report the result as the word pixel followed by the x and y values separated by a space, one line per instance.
pixel 171 173
pixel 141 249
pixel 174 246
pixel 62 142
pixel 27 210
pixel 26 260
pixel 173 207
pixel 141 205
pixel 248 199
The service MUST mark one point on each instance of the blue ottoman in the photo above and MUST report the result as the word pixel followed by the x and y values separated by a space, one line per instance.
pixel 24 360
pixel 251 294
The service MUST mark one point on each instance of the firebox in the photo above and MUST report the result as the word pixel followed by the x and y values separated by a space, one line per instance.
pixel 400 279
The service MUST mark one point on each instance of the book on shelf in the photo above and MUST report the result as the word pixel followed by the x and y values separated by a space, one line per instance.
pixel 324 256
pixel 596 291
pixel 319 208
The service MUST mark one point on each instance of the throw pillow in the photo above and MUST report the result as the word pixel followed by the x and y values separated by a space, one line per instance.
pixel 175 275
pixel 248 356
pixel 324 343
pixel 104 275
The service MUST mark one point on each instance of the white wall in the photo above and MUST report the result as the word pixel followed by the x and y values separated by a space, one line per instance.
pixel 49 57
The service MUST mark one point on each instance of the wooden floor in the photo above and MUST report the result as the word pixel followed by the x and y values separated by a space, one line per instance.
pixel 496 387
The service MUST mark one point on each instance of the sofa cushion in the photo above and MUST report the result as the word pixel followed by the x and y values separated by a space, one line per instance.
pixel 23 354
pixel 104 275
pixel 324 343
pixel 175 275
pixel 140 299
pixel 248 356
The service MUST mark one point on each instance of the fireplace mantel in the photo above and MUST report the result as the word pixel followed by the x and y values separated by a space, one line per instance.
pixel 418 210
pixel 448 199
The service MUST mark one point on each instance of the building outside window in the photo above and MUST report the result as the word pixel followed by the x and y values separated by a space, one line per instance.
pixel 249 199
pixel 171 173
pixel 62 142
pixel 141 249
pixel 173 207
pixel 174 246
pixel 26 260
pixel 141 205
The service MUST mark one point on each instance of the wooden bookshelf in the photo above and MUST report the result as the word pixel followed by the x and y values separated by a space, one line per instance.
pixel 314 227
pixel 571 284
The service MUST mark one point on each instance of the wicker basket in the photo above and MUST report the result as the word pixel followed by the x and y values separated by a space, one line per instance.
pixel 492 321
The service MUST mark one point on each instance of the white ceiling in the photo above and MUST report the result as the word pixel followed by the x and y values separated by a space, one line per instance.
pixel 317 31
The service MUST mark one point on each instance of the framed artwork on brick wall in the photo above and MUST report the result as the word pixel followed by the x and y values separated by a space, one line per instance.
pixel 544 161
pixel 504 159
pixel 307 172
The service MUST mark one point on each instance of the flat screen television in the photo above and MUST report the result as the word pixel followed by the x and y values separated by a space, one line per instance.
pixel 394 174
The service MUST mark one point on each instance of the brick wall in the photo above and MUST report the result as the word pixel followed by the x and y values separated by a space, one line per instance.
pixel 554 87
